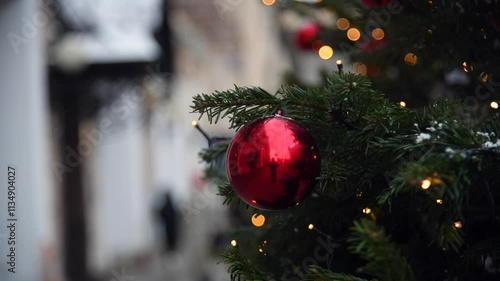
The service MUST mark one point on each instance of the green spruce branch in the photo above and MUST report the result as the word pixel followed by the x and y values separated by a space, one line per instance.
pixel 240 267
pixel 384 260
pixel 317 273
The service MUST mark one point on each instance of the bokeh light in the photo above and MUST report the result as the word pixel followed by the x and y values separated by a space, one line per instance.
pixel 378 34
pixel 343 24
pixel 353 34
pixel 359 68
pixel 268 2
pixel 325 52
pixel 411 59
pixel 258 220
pixel 426 184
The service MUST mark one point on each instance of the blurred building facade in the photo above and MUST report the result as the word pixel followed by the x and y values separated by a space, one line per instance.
pixel 98 131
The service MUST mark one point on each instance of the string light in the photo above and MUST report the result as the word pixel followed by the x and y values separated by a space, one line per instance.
pixel 268 2
pixel 353 34
pixel 494 105
pixel 426 183
pixel 343 23
pixel 402 104
pixel 411 59
pixel 458 224
pixel 197 126
pixel 340 65
pixel 260 250
pixel 439 201
pixel 325 52
pixel 359 193
pixel 467 67
pixel 367 210
pixel 234 243
pixel 310 226
pixel 258 220
pixel 378 34
pixel 484 77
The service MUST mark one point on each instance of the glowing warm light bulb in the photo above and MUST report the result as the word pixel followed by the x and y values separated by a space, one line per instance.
pixel 353 34
pixel 402 104
pixel 458 224
pixel 343 24
pixel 339 62
pixel 234 243
pixel 325 52
pixel 411 59
pixel 268 2
pixel 467 67
pixel 260 250
pixel 426 184
pixel 484 77
pixel 378 34
pixel 194 123
pixel 367 210
pixel 439 201
pixel 359 193
pixel 258 220
pixel 311 226
pixel 494 105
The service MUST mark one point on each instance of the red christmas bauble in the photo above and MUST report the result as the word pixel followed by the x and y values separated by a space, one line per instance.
pixel 272 163
pixel 306 35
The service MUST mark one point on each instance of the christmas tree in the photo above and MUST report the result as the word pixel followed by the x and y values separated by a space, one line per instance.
pixel 402 194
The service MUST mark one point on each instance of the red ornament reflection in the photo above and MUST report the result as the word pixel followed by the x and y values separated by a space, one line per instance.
pixel 272 163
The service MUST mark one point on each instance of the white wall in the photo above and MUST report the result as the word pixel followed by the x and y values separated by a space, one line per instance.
pixel 120 210
pixel 23 142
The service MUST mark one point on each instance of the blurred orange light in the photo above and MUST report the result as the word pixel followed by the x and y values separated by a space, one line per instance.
pixel 411 59
pixel 343 23
pixel 258 220
pixel 359 68
pixel 325 52
pixel 353 34
pixel 268 2
pixel 378 34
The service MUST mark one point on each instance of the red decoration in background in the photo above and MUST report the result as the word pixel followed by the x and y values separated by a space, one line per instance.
pixel 272 163
pixel 375 3
pixel 306 35
pixel 372 45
